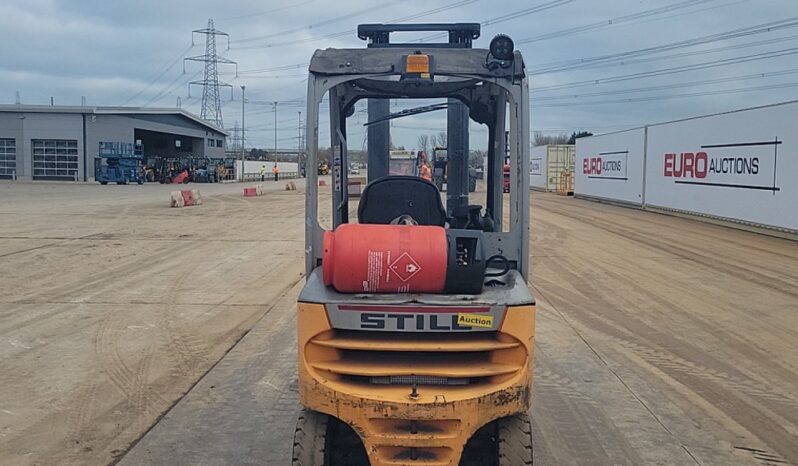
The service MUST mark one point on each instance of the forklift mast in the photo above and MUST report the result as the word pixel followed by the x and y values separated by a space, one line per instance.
pixel 476 85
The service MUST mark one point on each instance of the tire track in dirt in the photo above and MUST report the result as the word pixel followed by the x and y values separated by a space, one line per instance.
pixel 130 382
pixel 693 255
pixel 79 417
pixel 114 274
pixel 698 229
pixel 221 391
pixel 64 241
pixel 624 336
pixel 187 352
pixel 572 425
pixel 593 299
pixel 753 406
pixel 285 339
pixel 561 384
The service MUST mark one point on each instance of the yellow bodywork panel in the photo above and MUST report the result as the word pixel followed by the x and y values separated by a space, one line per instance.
pixel 492 370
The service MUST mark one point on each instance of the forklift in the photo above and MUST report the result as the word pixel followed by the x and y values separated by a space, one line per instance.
pixel 171 170
pixel 416 324
pixel 439 160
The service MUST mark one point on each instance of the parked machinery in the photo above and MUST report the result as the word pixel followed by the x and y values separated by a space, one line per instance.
pixel 414 346
pixel 439 163
pixel 118 162
pixel 119 170
pixel 149 168
pixel 171 170
pixel 205 170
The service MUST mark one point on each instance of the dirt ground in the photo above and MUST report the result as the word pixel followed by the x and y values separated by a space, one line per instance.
pixel 660 340
pixel 113 305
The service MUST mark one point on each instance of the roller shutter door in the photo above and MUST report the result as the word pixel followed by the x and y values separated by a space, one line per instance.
pixel 8 158
pixel 55 159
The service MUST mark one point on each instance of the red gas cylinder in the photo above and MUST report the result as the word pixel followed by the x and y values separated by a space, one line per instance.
pixel 385 259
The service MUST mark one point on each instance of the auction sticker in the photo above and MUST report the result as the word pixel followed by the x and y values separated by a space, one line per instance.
pixel 475 320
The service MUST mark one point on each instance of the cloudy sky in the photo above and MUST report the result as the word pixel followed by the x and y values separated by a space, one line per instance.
pixel 596 65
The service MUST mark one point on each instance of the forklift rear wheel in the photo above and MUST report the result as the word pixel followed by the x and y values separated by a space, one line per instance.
pixel 505 442
pixel 515 441
pixel 322 440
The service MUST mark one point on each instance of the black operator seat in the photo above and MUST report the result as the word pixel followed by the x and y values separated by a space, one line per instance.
pixel 390 197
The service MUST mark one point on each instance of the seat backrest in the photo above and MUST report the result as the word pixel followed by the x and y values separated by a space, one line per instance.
pixel 390 197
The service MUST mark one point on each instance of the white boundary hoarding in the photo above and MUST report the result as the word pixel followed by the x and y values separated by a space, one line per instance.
pixel 741 165
pixel 610 166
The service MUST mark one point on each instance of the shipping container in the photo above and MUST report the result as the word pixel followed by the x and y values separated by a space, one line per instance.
pixel 551 166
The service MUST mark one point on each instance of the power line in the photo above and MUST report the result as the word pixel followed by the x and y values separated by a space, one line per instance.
pixel 669 86
pixel 276 76
pixel 672 96
pixel 160 75
pixel 351 32
pixel 169 88
pixel 275 68
pixel 689 54
pixel 610 58
pixel 614 21
pixel 263 13
pixel 344 17
pixel 507 17
pixel 672 70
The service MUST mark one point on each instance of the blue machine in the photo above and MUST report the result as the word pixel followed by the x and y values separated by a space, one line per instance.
pixel 119 162
pixel 119 170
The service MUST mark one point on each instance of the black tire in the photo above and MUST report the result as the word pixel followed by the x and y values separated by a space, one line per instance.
pixel 103 183
pixel 322 440
pixel 505 442
pixel 514 437
pixel 140 181
pixel 310 439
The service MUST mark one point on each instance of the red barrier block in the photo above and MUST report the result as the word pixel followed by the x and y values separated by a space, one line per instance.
pixel 250 192
pixel 188 197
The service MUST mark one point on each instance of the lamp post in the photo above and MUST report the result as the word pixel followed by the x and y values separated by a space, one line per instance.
pixel 275 132
pixel 243 88
pixel 299 141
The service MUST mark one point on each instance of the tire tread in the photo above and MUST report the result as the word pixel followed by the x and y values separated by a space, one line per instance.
pixel 515 441
pixel 310 438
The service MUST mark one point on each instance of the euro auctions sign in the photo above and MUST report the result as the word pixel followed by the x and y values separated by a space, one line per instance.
pixel 607 165
pixel 737 165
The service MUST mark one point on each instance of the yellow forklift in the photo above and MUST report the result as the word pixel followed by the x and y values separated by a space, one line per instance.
pixel 416 325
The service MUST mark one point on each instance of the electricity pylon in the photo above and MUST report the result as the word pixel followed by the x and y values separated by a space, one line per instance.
pixel 211 102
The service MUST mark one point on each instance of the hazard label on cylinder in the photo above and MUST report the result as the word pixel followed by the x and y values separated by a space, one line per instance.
pixel 405 267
